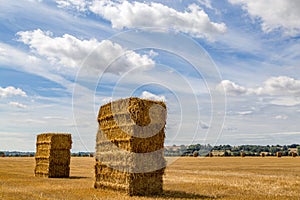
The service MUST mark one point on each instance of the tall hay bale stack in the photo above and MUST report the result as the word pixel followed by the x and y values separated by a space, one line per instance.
pixel 129 146
pixel 53 155
pixel 243 154
pixel 279 154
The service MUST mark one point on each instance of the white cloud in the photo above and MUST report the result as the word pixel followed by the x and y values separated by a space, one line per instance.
pixel 11 91
pixel 25 62
pixel 35 1
pixel 11 56
pixel 274 14
pixel 281 85
pixel 203 125
pixel 70 52
pixel 206 3
pixel 124 14
pixel 149 95
pixel 55 117
pixel 17 104
pixel 107 100
pixel 287 133
pixel 231 88
pixel 153 53
pixel 76 4
pixel 285 101
pixel 245 112
pixel 283 117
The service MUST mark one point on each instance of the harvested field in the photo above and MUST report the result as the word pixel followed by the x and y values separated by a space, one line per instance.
pixel 187 178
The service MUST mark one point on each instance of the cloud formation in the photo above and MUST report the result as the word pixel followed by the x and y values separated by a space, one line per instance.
pixel 206 3
pixel 151 96
pixel 274 14
pixel 11 91
pixel 282 117
pixel 75 4
pixel 203 125
pixel 248 112
pixel 232 88
pixel 17 104
pixel 125 14
pixel 71 52
pixel 281 85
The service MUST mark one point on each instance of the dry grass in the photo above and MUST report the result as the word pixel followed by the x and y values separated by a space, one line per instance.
pixel 187 178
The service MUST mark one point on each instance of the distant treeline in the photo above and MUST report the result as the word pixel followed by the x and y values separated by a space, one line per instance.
pixel 32 154
pixel 228 150
pixel 197 150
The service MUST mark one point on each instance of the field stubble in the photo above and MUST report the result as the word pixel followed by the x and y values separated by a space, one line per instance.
pixel 186 178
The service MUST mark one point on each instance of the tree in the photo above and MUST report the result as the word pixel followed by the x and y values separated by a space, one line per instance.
pixel 273 150
pixel 293 146
pixel 236 153
pixel 226 153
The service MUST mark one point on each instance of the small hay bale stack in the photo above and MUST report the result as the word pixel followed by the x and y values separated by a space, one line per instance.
pixel 128 158
pixel 243 154
pixel 279 154
pixel 53 155
pixel 195 153
pixel 293 154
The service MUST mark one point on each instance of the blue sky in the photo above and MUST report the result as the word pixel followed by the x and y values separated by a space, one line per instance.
pixel 228 70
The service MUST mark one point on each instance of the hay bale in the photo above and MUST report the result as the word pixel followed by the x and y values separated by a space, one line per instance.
pixel 195 153
pixel 294 154
pixel 262 154
pixel 210 154
pixel 279 154
pixel 243 154
pixel 53 155
pixel 129 146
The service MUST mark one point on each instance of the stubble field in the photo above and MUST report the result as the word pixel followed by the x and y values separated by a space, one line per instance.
pixel 186 178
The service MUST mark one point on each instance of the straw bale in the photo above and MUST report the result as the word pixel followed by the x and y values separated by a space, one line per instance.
pixel 135 144
pixel 131 183
pixel 129 146
pixel 56 141
pixel 294 154
pixel 243 154
pixel 52 171
pixel 132 162
pixel 53 155
pixel 279 154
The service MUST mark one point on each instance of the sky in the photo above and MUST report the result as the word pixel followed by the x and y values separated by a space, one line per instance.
pixel 228 70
